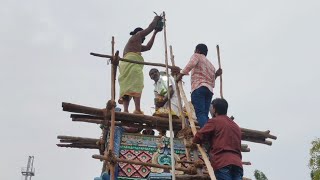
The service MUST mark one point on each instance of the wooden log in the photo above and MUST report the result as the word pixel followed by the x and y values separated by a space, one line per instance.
pixel 259 141
pixel 245 150
pixel 246 163
pixel 77 142
pixel 87 146
pixel 83 109
pixel 193 162
pixel 86 116
pixel 154 122
pixel 131 61
pixel 78 138
pixel 186 170
pixel 95 121
pixel 244 147
pixel 124 122
pixel 256 132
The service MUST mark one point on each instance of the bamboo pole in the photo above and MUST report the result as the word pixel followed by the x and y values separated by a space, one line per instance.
pixel 182 117
pixel 102 113
pixel 194 131
pixel 132 61
pixel 80 146
pixel 169 98
pixel 187 170
pixel 95 121
pixel 261 133
pixel 218 53
pixel 244 147
pixel 112 126
pixel 259 141
pixel 193 162
pixel 78 138
pixel 120 123
pixel 246 163
pixel 69 107
pixel 82 116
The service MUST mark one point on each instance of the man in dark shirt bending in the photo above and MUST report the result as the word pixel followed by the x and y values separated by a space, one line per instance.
pixel 224 136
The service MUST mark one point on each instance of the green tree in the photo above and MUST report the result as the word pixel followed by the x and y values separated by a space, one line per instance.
pixel 259 175
pixel 314 162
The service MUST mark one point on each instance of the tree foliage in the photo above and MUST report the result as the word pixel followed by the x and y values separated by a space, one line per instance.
pixel 314 162
pixel 259 175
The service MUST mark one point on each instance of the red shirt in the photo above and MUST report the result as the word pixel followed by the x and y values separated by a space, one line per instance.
pixel 224 136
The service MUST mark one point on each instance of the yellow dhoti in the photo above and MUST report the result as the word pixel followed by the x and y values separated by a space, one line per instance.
pixel 131 76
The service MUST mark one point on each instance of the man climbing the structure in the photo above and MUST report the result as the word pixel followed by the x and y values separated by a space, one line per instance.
pixel 224 136
pixel 161 90
pixel 203 77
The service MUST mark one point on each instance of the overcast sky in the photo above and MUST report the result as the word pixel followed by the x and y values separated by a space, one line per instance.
pixel 269 55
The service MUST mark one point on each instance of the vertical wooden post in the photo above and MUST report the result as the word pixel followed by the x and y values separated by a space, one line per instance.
pixel 105 163
pixel 218 53
pixel 169 99
pixel 182 117
pixel 112 127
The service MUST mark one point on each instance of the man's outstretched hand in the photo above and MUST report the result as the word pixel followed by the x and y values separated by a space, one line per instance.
pixel 218 72
pixel 179 77
pixel 175 70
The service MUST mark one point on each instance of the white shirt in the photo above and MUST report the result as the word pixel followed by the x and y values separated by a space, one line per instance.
pixel 161 86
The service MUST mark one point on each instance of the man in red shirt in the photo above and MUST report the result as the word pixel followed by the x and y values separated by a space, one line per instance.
pixel 224 136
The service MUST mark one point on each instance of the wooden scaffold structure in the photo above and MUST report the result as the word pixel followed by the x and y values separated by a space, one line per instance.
pixel 109 119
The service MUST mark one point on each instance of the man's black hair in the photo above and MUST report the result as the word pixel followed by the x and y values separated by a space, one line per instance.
pixel 220 105
pixel 136 30
pixel 153 69
pixel 202 48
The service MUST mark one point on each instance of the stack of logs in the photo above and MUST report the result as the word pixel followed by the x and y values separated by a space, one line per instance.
pixel 103 116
